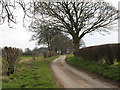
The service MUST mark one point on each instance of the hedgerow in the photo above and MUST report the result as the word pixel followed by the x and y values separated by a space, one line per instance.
pixel 106 54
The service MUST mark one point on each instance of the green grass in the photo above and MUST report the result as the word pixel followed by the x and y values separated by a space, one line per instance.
pixel 30 57
pixel 26 57
pixel 36 74
pixel 111 72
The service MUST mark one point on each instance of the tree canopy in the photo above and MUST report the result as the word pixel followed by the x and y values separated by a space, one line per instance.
pixel 77 18
pixel 44 33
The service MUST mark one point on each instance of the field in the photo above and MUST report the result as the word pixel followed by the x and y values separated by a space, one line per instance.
pixel 111 72
pixel 25 57
pixel 32 74
pixel 29 57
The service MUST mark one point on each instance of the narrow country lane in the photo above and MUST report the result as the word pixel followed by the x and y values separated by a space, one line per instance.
pixel 69 77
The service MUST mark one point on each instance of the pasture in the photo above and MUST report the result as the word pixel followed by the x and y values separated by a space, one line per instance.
pixel 35 74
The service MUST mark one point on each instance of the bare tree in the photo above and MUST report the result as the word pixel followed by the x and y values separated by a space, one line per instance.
pixel 78 18
pixel 6 11
pixel 44 33
pixel 7 8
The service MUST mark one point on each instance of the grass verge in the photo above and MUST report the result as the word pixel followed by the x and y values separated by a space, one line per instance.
pixel 25 57
pixel 35 74
pixel 111 72
pixel 30 57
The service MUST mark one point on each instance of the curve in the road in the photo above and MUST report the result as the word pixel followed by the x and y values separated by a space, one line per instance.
pixel 70 77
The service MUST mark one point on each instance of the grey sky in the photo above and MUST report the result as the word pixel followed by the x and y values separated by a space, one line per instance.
pixel 20 37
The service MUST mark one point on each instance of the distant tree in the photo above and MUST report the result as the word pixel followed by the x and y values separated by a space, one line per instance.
pixel 27 52
pixel 42 50
pixel 36 49
pixel 44 33
pixel 21 51
pixel 62 43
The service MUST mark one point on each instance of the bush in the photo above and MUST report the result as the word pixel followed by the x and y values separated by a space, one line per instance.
pixel 34 55
pixel 9 58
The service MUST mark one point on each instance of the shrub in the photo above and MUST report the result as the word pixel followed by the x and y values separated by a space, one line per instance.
pixel 9 58
pixel 34 55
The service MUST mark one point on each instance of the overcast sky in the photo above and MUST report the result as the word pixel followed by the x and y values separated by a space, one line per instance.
pixel 20 37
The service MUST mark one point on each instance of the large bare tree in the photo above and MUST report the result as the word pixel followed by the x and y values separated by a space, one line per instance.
pixel 78 18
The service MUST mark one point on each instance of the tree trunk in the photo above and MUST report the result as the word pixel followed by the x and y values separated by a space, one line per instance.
pixel 56 50
pixel 76 45
pixel 10 71
pixel 61 52
pixel 48 46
